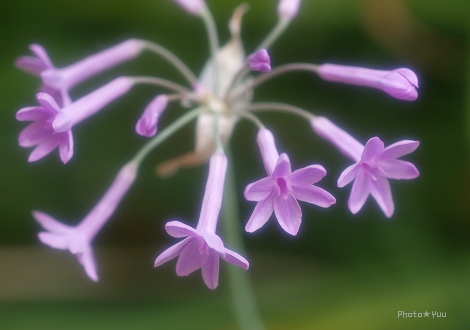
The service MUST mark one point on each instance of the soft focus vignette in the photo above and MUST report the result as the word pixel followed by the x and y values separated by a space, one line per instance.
pixel 285 141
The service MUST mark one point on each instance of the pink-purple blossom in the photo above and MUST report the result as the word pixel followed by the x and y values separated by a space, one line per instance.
pixel 51 126
pixel 202 247
pixel 77 239
pixel 399 83
pixel 59 81
pixel 281 189
pixel 40 133
pixel 374 165
pixel 147 123
pixel 259 61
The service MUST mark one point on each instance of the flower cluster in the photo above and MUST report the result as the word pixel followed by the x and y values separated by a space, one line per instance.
pixel 220 97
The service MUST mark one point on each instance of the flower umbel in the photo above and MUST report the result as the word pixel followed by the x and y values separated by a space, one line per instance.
pixel 218 99
pixel 202 247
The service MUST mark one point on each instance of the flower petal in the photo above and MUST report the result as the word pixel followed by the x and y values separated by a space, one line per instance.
pixel 65 146
pixel 32 114
pixel 380 190
pixel 48 102
pixel 214 242
pixel 191 258
pixel 372 149
pixel 86 258
pixel 260 189
pixel 210 270
pixel 400 148
pixel 348 175
pixel 283 167
pixel 235 259
pixel 288 213
pixel 35 133
pixel 34 64
pixel 49 223
pixel 307 175
pixel 261 214
pixel 42 150
pixel 398 169
pixel 170 253
pixel 56 241
pixel 359 192
pixel 313 195
pixel 178 229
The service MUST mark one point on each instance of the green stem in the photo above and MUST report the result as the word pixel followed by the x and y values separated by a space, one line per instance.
pixel 275 33
pixel 241 289
pixel 173 59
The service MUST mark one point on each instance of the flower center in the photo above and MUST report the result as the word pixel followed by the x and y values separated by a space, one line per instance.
pixel 283 190
pixel 373 169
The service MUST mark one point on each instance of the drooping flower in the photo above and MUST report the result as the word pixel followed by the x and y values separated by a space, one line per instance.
pixel 259 61
pixel 147 123
pixel 77 239
pixel 281 189
pixel 374 165
pixel 201 247
pixel 52 126
pixel 59 81
pixel 399 83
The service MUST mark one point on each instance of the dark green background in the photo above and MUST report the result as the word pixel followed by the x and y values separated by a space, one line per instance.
pixel 342 271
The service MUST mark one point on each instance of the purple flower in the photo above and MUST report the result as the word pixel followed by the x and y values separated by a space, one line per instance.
pixel 201 247
pixel 40 133
pixel 282 188
pixel 147 123
pixel 260 61
pixel 399 83
pixel 78 239
pixel 52 126
pixel 374 165
pixel 288 9
pixel 58 82
pixel 194 7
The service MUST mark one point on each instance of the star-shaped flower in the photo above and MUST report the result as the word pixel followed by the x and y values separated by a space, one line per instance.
pixel 281 189
pixel 374 165
pixel 372 171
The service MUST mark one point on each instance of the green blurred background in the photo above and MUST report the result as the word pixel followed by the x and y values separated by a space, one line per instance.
pixel 342 271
